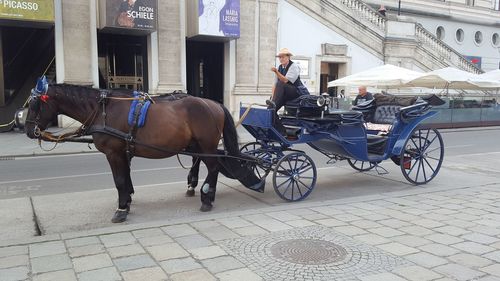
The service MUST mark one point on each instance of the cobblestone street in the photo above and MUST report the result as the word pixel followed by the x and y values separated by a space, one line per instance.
pixel 421 234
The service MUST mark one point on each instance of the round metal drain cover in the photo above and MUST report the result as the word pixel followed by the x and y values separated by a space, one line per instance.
pixel 308 251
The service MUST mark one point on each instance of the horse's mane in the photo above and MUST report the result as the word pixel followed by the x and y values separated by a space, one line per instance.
pixel 79 89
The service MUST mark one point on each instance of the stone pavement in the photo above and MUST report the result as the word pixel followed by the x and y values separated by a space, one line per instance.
pixel 419 234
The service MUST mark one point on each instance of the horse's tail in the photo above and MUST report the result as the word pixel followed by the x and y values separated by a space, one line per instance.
pixel 229 134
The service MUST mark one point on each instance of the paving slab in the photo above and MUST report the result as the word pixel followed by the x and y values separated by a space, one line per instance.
pixel 17 218
pixel 94 209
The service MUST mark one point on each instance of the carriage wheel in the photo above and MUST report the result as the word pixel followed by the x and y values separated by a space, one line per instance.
pixel 422 156
pixel 294 176
pixel 362 166
pixel 256 149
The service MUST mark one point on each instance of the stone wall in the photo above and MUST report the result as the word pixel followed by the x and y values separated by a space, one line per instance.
pixel 171 46
pixel 77 42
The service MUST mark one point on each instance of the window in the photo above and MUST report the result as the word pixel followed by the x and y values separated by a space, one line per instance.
pixel 440 33
pixel 470 2
pixel 496 5
pixel 495 39
pixel 478 37
pixel 459 35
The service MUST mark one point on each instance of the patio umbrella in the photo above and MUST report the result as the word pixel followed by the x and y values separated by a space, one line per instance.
pixel 383 76
pixel 492 75
pixel 453 78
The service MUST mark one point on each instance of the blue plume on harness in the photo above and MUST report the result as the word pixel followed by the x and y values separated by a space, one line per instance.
pixel 41 88
pixel 142 113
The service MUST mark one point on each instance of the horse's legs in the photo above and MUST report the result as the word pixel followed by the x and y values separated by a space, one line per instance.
pixel 121 175
pixel 208 188
pixel 192 178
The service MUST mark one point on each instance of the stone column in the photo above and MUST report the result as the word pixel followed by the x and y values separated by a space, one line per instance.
pixel 171 46
pixel 255 51
pixel 76 42
pixel 246 48
pixel 268 30
pixel 2 85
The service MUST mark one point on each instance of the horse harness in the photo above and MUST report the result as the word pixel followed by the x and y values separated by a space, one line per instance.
pixel 130 137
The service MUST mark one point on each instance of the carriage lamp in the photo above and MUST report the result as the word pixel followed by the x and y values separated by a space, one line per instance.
pixel 323 100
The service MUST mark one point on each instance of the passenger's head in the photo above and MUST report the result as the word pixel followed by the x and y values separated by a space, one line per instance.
pixel 362 90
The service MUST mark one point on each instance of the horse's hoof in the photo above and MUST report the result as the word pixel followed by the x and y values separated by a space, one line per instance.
pixel 119 216
pixel 190 193
pixel 206 208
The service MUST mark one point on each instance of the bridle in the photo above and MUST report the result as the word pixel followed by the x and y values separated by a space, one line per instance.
pixel 38 95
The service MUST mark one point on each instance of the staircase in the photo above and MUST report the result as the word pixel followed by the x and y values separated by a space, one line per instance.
pixel 361 24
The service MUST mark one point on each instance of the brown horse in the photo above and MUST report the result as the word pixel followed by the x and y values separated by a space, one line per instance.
pixel 174 126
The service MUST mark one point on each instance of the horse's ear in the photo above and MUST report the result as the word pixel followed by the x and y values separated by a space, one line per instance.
pixel 42 85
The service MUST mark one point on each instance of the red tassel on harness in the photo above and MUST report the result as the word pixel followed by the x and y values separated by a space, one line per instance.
pixel 44 98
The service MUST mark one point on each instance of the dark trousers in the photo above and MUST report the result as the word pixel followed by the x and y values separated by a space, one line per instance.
pixel 284 92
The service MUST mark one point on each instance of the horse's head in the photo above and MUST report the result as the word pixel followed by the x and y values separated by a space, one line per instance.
pixel 42 109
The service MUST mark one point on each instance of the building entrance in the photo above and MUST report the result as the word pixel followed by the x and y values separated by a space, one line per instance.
pixel 205 69
pixel 122 61
pixel 329 72
pixel 26 53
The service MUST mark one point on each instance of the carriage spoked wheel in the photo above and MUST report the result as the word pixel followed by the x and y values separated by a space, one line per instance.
pixel 294 176
pixel 362 166
pixel 257 150
pixel 422 156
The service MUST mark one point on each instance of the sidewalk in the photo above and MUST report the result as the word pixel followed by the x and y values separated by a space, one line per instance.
pixel 418 234
pixel 17 144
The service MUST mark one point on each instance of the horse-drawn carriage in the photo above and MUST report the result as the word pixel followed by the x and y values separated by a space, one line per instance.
pixel 343 135
pixel 181 124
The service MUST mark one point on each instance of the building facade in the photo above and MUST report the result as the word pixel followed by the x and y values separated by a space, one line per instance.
pixel 224 49
pixel 155 49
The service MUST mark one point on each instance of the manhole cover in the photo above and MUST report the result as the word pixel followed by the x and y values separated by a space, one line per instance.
pixel 308 251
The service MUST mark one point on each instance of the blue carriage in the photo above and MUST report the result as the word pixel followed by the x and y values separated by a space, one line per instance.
pixel 343 135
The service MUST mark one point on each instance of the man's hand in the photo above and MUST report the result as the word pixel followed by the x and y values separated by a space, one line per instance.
pixel 274 69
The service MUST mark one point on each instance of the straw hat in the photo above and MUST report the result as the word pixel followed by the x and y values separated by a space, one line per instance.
pixel 284 51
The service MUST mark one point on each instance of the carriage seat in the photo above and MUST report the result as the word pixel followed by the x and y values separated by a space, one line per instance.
pixel 385 114
pixel 383 109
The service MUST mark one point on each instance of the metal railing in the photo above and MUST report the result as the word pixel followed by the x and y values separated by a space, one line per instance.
pixel 366 12
pixel 445 52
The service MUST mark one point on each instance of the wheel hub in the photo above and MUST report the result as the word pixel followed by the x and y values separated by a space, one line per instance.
pixel 295 176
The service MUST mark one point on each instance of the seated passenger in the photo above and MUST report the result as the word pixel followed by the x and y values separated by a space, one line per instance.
pixel 363 96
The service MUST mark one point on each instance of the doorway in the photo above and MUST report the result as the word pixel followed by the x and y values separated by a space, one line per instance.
pixel 205 69
pixel 27 51
pixel 329 72
pixel 123 62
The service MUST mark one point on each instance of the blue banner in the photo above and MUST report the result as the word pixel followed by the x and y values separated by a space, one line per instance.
pixel 219 17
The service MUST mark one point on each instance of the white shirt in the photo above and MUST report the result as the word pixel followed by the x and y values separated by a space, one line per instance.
pixel 292 74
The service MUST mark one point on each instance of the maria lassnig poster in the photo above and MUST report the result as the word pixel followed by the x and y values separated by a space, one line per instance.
pixel 219 17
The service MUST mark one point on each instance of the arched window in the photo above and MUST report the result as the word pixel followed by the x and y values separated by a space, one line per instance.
pixel 440 33
pixel 478 37
pixel 459 35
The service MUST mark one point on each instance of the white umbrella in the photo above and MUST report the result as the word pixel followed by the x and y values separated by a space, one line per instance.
pixel 492 75
pixel 453 78
pixel 384 76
